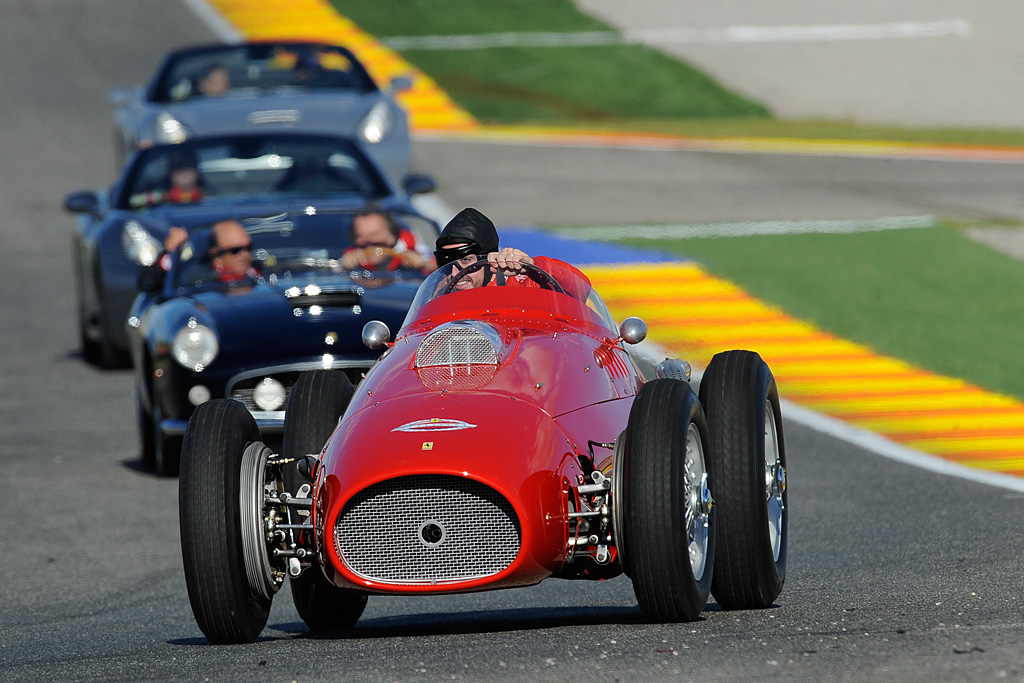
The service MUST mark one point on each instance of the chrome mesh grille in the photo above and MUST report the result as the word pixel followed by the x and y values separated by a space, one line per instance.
pixel 456 377
pixel 427 529
pixel 456 345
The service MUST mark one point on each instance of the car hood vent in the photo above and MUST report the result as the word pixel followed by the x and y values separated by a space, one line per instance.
pixel 459 343
pixel 275 116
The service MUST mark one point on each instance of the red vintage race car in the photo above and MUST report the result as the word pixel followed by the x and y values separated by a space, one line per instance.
pixel 504 437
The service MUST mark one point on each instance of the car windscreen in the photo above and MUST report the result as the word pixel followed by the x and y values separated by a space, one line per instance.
pixel 464 287
pixel 243 69
pixel 249 166
pixel 288 247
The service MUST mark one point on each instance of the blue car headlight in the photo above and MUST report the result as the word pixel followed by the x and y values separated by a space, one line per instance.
pixel 139 246
pixel 376 124
pixel 195 346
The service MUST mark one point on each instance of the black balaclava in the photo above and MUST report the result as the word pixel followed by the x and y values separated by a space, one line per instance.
pixel 469 227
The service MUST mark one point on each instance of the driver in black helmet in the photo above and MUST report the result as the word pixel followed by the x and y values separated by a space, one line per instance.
pixel 471 234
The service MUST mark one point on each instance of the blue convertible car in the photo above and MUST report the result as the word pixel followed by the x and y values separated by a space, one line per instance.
pixel 199 182
pixel 197 335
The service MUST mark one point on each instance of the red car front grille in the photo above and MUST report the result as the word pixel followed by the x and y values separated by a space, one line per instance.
pixel 430 529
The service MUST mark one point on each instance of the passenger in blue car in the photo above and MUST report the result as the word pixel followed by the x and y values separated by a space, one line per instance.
pixel 379 243
pixel 184 185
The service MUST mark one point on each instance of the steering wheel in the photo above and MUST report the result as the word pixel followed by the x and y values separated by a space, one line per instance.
pixel 541 277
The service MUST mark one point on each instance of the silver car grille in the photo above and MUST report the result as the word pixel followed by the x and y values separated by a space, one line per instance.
pixel 428 529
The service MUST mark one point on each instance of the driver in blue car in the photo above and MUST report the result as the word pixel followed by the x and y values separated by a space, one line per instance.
pixel 471 234
pixel 230 254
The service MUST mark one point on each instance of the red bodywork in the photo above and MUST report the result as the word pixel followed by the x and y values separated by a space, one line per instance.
pixel 560 382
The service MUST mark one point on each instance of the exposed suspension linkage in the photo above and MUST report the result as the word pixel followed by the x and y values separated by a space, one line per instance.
pixel 286 521
pixel 591 526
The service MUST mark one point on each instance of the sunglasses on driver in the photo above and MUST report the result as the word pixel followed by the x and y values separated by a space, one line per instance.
pixel 233 250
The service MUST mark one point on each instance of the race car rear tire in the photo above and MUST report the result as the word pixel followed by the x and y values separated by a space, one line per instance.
pixel 748 476
pixel 224 606
pixel 668 518
pixel 316 402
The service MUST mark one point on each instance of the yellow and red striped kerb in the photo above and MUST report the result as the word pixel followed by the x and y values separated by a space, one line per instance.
pixel 695 315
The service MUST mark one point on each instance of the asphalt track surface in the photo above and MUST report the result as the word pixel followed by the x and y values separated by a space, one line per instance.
pixel 894 573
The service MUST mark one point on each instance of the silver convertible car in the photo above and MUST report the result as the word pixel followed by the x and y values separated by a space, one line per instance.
pixel 226 89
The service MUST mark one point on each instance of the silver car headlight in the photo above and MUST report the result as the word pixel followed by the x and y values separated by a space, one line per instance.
pixel 139 246
pixel 376 124
pixel 195 346
pixel 169 129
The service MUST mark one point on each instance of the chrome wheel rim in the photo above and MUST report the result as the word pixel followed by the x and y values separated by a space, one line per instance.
pixel 698 503
pixel 775 481
pixel 264 579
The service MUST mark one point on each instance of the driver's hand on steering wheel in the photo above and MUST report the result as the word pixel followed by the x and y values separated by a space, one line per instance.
pixel 509 259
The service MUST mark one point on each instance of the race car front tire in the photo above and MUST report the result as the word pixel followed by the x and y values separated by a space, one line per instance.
pixel 748 476
pixel 668 516
pixel 224 606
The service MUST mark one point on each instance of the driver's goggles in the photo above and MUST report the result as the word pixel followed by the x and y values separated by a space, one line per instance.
pixel 445 256
pixel 465 262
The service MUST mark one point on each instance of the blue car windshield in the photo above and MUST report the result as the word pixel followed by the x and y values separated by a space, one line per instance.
pixel 285 248
pixel 245 166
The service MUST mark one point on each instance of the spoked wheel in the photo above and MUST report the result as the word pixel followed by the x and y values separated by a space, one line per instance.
pixel 748 472
pixel 667 519
pixel 317 401
pixel 260 509
pixel 213 523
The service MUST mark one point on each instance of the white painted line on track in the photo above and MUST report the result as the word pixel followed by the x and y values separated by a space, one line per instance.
pixel 845 149
pixel 614 233
pixel 731 34
pixel 432 206
pixel 651 353
pixel 213 19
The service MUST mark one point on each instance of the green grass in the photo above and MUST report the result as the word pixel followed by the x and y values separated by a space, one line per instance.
pixel 930 296
pixel 619 88
pixel 547 85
